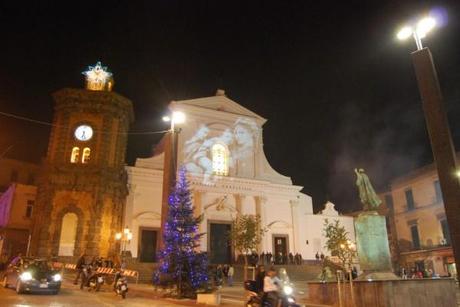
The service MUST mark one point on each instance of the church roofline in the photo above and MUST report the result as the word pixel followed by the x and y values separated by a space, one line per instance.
pixel 219 103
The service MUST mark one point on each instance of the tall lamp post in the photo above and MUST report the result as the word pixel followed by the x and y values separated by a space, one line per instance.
pixel 170 165
pixel 124 238
pixel 437 126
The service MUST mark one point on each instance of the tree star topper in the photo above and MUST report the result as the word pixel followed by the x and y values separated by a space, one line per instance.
pixel 98 78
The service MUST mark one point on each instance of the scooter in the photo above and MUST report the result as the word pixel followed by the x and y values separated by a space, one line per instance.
pixel 286 295
pixel 256 300
pixel 96 281
pixel 121 284
pixel 253 299
pixel 86 274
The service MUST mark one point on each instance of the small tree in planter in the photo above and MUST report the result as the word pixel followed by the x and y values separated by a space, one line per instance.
pixel 180 264
pixel 246 234
pixel 338 243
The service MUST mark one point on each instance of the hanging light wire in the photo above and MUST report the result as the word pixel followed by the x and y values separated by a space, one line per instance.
pixel 31 120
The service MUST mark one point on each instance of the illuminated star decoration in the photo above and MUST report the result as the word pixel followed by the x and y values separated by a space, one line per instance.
pixel 97 76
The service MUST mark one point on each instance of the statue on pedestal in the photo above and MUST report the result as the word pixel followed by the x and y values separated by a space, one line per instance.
pixel 371 234
pixel 367 195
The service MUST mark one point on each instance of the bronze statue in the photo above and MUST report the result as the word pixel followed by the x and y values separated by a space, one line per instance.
pixel 367 195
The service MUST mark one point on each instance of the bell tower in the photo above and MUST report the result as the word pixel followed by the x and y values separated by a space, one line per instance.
pixel 82 189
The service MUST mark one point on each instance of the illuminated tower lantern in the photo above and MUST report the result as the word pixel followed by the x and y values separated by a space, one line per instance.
pixel 82 190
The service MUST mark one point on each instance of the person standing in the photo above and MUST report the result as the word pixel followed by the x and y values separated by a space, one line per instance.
pixel 317 256
pixel 230 273
pixel 80 263
pixel 225 272
pixel 403 273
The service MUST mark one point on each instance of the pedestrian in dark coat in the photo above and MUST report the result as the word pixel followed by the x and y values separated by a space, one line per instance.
pixel 80 263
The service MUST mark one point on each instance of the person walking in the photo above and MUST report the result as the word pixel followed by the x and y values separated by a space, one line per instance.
pixel 230 273
pixel 80 263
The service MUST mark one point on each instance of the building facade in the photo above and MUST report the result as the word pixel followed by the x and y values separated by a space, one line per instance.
pixel 416 211
pixel 17 206
pixel 15 171
pixel 221 147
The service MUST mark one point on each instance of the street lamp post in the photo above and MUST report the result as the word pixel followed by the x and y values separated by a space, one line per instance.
pixel 170 165
pixel 124 238
pixel 438 127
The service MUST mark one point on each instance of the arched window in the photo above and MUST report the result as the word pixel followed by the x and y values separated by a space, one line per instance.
pixel 86 154
pixel 219 160
pixel 75 155
pixel 68 234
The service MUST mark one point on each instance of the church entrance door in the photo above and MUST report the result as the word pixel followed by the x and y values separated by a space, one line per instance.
pixel 148 245
pixel 280 246
pixel 219 245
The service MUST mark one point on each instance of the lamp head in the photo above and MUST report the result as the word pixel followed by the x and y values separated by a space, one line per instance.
pixel 405 33
pixel 178 117
pixel 425 25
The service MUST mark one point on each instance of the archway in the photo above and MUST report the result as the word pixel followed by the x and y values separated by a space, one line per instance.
pixel 68 234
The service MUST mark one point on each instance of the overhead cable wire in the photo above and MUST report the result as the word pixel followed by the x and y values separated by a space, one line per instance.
pixel 56 125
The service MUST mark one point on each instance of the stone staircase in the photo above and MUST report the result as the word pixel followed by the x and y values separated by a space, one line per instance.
pixel 307 271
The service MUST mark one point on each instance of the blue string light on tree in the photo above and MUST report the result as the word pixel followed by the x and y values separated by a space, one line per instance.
pixel 180 262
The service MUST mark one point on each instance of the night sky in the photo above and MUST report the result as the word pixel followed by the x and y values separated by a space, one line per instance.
pixel 338 89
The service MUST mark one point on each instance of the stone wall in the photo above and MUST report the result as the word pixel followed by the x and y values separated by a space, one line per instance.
pixel 390 293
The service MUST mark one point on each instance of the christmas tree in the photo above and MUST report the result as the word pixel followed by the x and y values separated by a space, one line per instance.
pixel 180 262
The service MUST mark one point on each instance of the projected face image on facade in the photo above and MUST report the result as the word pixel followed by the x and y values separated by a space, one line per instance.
pixel 216 155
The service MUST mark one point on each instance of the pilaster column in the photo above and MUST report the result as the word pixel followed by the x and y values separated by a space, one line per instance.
pixel 197 202
pixel 260 211
pixel 239 202
pixel 294 204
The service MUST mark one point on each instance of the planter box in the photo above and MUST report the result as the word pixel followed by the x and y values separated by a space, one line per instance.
pixel 208 298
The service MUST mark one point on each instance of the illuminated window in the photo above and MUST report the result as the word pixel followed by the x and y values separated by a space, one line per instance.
pixel 219 160
pixel 85 156
pixel 75 155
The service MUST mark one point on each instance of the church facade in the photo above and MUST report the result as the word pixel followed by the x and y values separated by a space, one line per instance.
pixel 86 200
pixel 221 147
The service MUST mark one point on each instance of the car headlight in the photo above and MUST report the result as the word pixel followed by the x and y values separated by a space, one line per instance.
pixel 57 277
pixel 26 276
pixel 288 290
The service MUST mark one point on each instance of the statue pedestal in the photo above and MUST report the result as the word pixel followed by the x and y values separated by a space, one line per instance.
pixel 373 249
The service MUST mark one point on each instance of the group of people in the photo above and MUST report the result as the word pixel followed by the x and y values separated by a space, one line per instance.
pixel 267 258
pixel 96 262
pixel 225 272
pixel 418 273
pixel 319 257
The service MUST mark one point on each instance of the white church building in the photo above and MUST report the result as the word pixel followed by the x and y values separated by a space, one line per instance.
pixel 221 146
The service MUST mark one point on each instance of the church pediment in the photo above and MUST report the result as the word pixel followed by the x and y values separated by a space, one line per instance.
pixel 220 103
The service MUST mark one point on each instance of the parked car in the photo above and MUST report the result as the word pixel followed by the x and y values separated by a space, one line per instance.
pixel 32 275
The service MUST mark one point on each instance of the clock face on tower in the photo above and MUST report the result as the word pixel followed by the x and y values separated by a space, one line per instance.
pixel 83 133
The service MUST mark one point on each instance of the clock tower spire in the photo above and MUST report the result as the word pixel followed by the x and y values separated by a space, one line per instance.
pixel 82 191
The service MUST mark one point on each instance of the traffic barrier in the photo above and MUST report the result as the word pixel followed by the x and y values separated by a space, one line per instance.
pixel 106 270
pixel 70 266
pixel 131 273
pixel 102 270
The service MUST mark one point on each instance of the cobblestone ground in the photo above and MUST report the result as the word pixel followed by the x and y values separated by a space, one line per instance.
pixel 139 295
pixel 71 295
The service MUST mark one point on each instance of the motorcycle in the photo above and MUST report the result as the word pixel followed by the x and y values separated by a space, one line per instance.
pixel 285 294
pixel 96 281
pixel 121 284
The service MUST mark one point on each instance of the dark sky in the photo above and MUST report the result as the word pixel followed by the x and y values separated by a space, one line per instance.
pixel 338 89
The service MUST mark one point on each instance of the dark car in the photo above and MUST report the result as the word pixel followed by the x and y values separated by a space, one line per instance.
pixel 32 275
